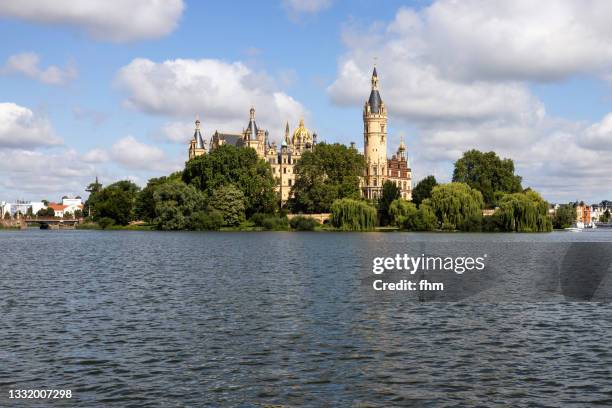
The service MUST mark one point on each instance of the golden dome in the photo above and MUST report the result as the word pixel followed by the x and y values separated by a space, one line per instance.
pixel 301 135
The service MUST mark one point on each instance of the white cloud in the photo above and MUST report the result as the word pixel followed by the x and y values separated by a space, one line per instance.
pixel 598 135
pixel 133 154
pixel 27 64
pixel 451 87
pixel 42 175
pixel 417 92
pixel 96 155
pixel 295 7
pixel 220 92
pixel 178 132
pixel 21 128
pixel 517 40
pixel 117 21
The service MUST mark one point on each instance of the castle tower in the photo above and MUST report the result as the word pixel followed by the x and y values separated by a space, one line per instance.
pixel 196 146
pixel 375 141
pixel 253 136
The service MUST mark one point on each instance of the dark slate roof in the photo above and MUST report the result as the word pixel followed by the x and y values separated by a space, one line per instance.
pixel 253 127
pixel 232 139
pixel 374 73
pixel 375 101
pixel 198 138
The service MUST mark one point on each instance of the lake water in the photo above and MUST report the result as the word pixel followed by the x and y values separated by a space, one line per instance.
pixel 248 319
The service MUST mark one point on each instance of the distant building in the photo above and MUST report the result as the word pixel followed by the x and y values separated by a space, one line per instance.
pixel 20 208
pixel 69 206
pixel 598 210
pixel 583 213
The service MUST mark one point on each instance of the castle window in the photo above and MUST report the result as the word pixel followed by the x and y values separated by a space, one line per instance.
pixel 284 170
pixel 289 182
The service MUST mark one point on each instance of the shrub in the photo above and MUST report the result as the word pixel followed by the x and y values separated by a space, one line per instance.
pixel 353 215
pixel 492 223
pixel 400 210
pixel 106 222
pixel 206 221
pixel 301 223
pixel 258 218
pixel 273 223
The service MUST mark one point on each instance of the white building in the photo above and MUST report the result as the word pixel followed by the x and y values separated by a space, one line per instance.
pixel 21 207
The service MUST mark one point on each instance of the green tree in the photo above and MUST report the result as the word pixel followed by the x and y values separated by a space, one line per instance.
pixel 240 167
pixel 46 212
pixel 423 189
pixel 229 201
pixel 455 205
pixel 390 193
pixel 425 219
pixel 144 208
pixel 93 189
pixel 353 215
pixel 206 221
pixel 400 210
pixel 328 173
pixel 605 217
pixel 487 173
pixel 406 215
pixel 301 223
pixel 564 216
pixel 116 202
pixel 105 222
pixel 524 212
pixel 174 205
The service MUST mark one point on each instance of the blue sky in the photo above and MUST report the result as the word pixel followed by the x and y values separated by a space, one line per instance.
pixel 90 90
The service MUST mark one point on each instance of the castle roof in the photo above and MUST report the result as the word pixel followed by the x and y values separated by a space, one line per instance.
pixel 375 101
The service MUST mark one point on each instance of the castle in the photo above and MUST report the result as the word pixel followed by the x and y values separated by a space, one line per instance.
pixel 379 168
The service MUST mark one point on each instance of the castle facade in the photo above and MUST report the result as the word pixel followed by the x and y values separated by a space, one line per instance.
pixel 282 160
pixel 379 168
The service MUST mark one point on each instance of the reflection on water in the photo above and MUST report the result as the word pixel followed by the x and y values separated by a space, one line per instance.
pixel 226 319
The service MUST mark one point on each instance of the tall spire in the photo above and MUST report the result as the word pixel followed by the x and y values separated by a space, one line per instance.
pixel 197 135
pixel 374 79
pixel 287 133
pixel 375 100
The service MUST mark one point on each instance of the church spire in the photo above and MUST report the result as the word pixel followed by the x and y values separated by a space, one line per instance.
pixel 287 133
pixel 374 79
pixel 375 101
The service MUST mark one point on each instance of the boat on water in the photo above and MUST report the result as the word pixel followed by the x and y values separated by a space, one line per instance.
pixel 580 226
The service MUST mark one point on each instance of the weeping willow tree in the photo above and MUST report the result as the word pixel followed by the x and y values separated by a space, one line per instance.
pixel 524 212
pixel 353 215
pixel 456 205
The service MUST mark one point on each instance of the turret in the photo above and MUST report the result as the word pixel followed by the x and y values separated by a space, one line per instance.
pixel 197 146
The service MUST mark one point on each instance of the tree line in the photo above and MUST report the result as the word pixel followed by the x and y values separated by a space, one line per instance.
pixel 231 186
